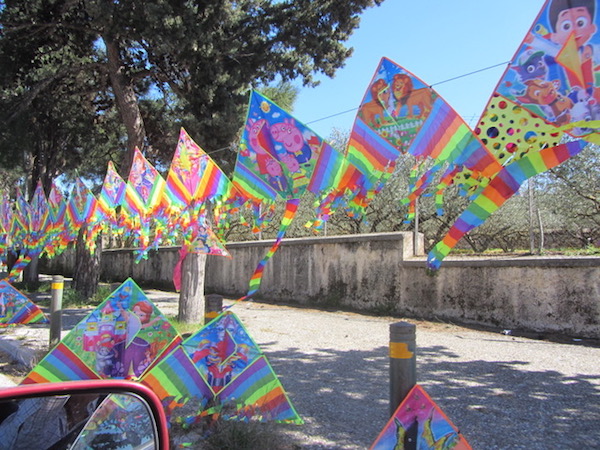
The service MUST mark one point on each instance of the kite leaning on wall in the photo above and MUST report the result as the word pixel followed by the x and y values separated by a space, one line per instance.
pixel 122 338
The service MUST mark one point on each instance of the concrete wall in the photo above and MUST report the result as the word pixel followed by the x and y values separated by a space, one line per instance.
pixel 376 273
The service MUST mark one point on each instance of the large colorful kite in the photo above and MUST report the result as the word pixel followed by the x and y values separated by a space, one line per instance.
pixel 110 198
pixel 220 370
pixel 549 94
pixel 400 114
pixel 277 157
pixel 121 338
pixel 144 205
pixel 195 184
pixel 419 423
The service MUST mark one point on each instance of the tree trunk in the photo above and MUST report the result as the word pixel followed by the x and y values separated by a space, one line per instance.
pixel 31 272
pixel 127 103
pixel 87 266
pixel 191 296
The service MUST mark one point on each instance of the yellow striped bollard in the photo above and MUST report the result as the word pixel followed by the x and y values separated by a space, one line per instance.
pixel 58 282
pixel 213 305
pixel 403 362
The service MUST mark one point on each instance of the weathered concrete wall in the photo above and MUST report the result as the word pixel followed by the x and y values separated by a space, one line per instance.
pixel 377 273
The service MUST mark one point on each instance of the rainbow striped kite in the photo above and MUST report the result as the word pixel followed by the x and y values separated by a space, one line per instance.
pixel 277 157
pixel 122 338
pixel 144 205
pixel 17 308
pixel 419 423
pixel 220 370
pixel 543 111
pixel 400 114
pixel 110 198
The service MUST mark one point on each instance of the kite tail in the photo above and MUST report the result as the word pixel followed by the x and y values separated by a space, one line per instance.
pixel 290 211
pixel 22 261
pixel 501 188
pixel 447 180
pixel 418 186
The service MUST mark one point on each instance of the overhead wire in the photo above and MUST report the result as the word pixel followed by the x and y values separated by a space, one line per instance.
pixel 354 109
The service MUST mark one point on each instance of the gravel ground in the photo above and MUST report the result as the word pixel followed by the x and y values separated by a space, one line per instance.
pixel 502 391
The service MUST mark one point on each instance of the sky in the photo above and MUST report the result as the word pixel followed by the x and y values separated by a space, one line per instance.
pixel 436 40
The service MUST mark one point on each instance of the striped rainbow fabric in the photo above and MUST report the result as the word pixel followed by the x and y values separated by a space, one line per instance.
pixel 220 370
pixel 291 207
pixel 61 364
pixel 17 308
pixel 500 189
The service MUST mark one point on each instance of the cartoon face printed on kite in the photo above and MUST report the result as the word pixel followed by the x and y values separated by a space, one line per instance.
pixel 273 168
pixel 289 135
pixel 566 21
pixel 144 311
pixel 531 66
pixel 291 163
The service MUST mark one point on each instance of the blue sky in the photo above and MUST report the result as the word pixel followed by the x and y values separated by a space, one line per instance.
pixel 436 40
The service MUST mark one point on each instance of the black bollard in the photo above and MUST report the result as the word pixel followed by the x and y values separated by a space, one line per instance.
pixel 403 362
pixel 213 305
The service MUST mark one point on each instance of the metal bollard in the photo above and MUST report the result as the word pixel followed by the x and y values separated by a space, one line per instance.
pixel 58 282
pixel 403 362
pixel 213 305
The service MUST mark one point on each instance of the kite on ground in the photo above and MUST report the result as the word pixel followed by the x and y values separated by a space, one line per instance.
pixel 17 308
pixel 419 423
pixel 122 338
pixel 220 370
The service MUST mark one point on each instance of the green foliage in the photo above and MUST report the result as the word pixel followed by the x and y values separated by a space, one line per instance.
pixel 245 436
pixel 216 434
pixel 73 299
pixel 160 65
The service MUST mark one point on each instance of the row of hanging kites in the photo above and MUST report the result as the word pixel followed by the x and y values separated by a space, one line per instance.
pixel 544 110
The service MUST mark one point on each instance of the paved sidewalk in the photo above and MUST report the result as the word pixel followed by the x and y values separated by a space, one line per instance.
pixel 502 391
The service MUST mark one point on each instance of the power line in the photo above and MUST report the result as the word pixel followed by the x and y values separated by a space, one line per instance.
pixel 354 109
pixel 471 73
pixel 435 84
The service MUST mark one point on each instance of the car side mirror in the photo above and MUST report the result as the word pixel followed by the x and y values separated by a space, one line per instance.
pixel 81 415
